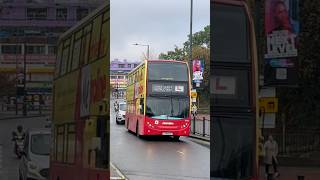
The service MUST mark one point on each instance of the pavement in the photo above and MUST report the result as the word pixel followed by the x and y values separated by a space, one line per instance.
pixel 201 116
pixel 292 173
pixel 199 128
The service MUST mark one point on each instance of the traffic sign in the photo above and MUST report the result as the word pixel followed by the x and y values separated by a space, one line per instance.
pixel 268 104
pixel 194 94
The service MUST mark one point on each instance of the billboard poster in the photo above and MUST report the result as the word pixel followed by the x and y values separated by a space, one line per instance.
pixel 197 71
pixel 281 51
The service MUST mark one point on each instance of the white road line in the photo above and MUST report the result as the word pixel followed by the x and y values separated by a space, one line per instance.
pixel 122 177
pixel 181 153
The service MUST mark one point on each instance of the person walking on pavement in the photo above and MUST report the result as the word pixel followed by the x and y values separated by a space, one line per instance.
pixel 194 110
pixel 271 152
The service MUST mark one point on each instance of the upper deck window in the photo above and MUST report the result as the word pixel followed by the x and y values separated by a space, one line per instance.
pixel 170 71
pixel 231 38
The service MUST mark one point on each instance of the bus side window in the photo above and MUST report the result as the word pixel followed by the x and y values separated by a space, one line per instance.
pixel 141 106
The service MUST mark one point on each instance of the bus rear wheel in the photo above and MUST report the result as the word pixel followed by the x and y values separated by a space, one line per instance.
pixel 176 138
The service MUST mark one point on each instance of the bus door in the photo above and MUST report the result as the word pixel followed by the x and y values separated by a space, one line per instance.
pixel 231 89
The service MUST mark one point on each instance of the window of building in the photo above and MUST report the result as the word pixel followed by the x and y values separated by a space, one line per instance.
pixel 37 13
pixel 120 77
pixel 135 65
pixel 129 65
pixel 121 65
pixel 62 14
pixel 82 12
pixel 35 49
pixel 52 50
pixel 113 77
pixel 11 49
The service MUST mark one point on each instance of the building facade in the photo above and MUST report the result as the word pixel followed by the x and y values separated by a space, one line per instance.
pixel 118 75
pixel 29 32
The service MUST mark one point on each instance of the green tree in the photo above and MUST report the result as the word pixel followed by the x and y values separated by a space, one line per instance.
pixel 200 50
pixel 199 39
pixel 177 54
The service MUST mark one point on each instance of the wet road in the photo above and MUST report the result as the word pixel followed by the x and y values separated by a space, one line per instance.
pixel 8 160
pixel 157 158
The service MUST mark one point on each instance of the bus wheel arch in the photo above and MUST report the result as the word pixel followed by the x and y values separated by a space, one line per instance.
pixel 127 124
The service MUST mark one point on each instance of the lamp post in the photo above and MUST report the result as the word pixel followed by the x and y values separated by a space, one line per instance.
pixel 190 35
pixel 136 44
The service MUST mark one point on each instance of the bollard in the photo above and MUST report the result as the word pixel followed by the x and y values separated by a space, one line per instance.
pixel 204 127
pixel 300 177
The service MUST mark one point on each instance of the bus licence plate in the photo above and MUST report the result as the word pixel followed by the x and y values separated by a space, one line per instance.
pixel 167 133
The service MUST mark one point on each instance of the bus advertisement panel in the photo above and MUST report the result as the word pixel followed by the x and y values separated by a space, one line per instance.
pixel 158 99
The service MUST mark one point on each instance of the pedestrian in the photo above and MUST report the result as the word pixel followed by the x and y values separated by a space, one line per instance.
pixel 270 158
pixel 116 106
pixel 194 110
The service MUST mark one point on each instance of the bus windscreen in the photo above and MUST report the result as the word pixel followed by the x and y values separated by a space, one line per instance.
pixel 164 108
pixel 168 71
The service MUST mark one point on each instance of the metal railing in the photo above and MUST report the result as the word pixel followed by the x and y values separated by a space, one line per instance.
pixel 297 143
pixel 200 127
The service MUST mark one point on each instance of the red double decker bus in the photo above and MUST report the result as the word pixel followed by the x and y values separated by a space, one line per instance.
pixel 158 99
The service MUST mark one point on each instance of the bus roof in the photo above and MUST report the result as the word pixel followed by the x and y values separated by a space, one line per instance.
pixel 233 2
pixel 91 15
pixel 155 60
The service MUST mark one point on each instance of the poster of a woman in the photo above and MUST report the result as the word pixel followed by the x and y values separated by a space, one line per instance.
pixel 281 27
pixel 277 16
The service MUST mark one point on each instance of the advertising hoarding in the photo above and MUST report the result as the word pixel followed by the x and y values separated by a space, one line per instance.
pixel 281 50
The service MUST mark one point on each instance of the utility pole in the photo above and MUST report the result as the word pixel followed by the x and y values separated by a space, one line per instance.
pixel 25 77
pixel 148 49
pixel 190 36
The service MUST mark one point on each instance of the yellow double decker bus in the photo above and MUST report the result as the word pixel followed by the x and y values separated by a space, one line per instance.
pixel 80 149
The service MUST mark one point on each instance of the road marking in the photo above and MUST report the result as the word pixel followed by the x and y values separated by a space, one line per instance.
pixel 122 177
pixel 182 153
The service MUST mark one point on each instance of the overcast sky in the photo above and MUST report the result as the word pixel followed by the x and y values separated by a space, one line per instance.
pixel 159 23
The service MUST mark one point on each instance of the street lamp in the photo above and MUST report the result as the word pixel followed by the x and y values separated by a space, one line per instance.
pixel 191 10
pixel 190 35
pixel 136 44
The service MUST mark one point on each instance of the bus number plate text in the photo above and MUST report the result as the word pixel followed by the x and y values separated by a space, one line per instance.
pixel 167 133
